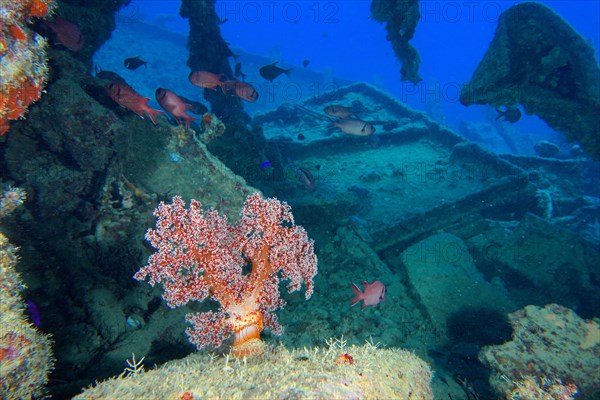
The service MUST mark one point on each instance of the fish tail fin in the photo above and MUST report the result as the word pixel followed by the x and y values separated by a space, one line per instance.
pixel 188 119
pixel 334 124
pixel 500 113
pixel 152 113
pixel 358 295
pixel 225 86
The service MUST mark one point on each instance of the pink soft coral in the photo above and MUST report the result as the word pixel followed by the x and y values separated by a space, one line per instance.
pixel 201 255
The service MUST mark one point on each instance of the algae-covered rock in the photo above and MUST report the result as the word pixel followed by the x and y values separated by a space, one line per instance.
pixel 548 343
pixel 552 265
pixel 538 60
pixel 334 372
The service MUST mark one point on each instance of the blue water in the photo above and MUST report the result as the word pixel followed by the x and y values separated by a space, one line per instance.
pixel 340 38
pixel 363 188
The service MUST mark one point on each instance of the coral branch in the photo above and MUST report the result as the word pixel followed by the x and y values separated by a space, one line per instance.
pixel 201 255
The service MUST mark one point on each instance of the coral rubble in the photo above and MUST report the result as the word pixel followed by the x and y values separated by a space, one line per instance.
pixel 538 60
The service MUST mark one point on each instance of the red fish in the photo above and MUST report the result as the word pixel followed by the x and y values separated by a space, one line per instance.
pixel 338 111
pixel 305 177
pixel 67 33
pixel 207 80
pixel 174 105
pixel 128 98
pixel 355 127
pixel 373 294
pixel 243 90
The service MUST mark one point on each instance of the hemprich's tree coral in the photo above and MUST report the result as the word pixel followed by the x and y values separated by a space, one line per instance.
pixel 201 255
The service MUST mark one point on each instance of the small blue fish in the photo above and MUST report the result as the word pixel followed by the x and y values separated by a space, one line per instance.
pixel 265 164
pixel 34 313
pixel 176 157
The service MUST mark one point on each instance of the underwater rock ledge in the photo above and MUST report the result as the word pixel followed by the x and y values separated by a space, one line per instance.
pixel 356 372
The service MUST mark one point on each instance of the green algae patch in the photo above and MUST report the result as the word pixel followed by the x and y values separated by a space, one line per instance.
pixel 337 371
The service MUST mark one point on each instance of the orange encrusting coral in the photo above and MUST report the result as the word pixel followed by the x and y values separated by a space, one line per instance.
pixel 38 8
pixel 23 53
pixel 16 32
pixel 15 100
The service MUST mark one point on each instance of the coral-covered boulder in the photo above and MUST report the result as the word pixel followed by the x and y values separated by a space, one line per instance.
pixel 550 343
pixel 25 353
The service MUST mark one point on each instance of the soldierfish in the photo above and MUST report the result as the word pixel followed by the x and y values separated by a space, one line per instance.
pixel 108 75
pixel 206 80
pixel 197 107
pixel 355 127
pixel 67 33
pixel 128 98
pixel 174 105
pixel 305 177
pixel 243 90
pixel 338 111
pixel 374 293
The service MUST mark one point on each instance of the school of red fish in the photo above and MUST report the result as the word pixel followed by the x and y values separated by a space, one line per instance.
pixel 68 35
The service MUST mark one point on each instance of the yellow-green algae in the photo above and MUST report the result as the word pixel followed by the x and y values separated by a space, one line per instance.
pixel 317 373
